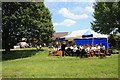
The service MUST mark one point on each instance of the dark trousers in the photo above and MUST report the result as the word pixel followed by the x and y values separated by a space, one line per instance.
pixel 63 53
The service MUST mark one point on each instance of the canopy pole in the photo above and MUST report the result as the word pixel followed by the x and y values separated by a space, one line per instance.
pixel 92 41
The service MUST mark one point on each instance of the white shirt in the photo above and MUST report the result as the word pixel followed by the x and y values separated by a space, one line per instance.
pixel 66 48
pixel 74 49
pixel 88 49
pixel 98 47
pixel 71 47
pixel 81 47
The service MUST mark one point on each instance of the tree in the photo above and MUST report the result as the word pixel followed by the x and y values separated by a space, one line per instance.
pixel 30 20
pixel 107 18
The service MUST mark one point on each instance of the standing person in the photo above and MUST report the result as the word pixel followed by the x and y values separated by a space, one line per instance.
pixel 63 48
pixel 83 52
pixel 102 48
pixel 56 46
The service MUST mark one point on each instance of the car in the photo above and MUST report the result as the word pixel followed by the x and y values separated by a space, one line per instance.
pixel 23 45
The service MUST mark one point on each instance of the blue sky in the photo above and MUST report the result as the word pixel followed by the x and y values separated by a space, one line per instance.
pixel 70 16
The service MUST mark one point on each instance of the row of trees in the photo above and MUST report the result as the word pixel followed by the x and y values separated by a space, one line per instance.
pixel 33 21
pixel 25 19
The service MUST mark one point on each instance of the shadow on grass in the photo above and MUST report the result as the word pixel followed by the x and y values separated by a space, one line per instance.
pixel 16 54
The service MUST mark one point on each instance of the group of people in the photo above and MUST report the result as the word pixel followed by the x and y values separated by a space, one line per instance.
pixel 81 50
pixel 86 50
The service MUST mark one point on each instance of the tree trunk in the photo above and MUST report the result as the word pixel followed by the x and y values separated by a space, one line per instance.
pixel 7 50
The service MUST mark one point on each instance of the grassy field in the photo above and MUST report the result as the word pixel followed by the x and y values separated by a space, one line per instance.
pixel 37 64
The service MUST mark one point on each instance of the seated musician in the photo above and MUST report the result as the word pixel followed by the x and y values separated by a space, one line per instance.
pixel 97 50
pixel 75 48
pixel 102 48
pixel 88 50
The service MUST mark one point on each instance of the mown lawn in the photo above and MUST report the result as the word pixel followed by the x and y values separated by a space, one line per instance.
pixel 37 64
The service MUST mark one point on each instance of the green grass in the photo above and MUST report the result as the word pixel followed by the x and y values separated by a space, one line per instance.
pixel 37 64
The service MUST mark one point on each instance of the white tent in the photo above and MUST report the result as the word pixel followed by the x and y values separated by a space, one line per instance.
pixel 75 34
pixel 78 34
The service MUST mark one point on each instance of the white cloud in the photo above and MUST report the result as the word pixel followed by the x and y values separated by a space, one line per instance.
pixel 70 0
pixel 67 22
pixel 66 13
pixel 89 8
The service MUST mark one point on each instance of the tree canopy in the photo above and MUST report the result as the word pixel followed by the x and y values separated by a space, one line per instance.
pixel 31 20
pixel 107 18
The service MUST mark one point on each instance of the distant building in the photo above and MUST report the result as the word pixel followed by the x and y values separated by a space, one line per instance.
pixel 118 34
pixel 57 35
